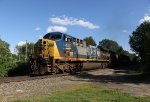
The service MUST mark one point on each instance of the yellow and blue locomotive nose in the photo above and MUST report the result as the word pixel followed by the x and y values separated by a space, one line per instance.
pixel 47 48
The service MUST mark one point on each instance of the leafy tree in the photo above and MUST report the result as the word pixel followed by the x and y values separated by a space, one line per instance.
pixel 6 60
pixel 111 45
pixel 140 42
pixel 90 41
pixel 21 66
pixel 14 57
pixel 138 39
pixel 22 50
pixel 115 47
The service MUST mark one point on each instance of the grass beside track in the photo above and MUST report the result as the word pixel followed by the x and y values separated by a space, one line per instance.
pixel 87 93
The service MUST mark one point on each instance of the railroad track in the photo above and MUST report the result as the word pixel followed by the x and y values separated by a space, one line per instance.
pixel 27 78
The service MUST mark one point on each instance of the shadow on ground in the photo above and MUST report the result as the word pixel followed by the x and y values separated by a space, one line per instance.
pixel 120 75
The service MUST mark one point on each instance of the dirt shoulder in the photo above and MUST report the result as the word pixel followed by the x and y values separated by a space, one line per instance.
pixel 126 80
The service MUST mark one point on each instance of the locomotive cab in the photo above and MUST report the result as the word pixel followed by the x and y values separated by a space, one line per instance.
pixel 47 47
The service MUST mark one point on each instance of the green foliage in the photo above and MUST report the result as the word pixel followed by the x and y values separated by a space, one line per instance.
pixel 88 93
pixel 90 41
pixel 139 40
pixel 111 45
pixel 22 50
pixel 14 57
pixel 19 69
pixel 115 47
pixel 9 64
pixel 6 61
pixel 140 43
pixel 21 66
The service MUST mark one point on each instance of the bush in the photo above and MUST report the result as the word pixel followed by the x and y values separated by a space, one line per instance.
pixel 19 69
pixel 5 68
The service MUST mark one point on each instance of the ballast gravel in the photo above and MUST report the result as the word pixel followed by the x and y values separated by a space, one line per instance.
pixel 19 90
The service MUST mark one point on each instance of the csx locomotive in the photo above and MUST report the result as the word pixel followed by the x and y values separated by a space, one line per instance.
pixel 57 52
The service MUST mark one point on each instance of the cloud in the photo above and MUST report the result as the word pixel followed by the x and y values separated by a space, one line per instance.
pixel 125 31
pixel 148 12
pixel 21 43
pixel 73 21
pixel 11 49
pixel 57 29
pixel 146 18
pixel 37 29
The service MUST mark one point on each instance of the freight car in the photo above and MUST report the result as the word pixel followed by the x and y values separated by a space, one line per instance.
pixel 58 53
pixel 119 59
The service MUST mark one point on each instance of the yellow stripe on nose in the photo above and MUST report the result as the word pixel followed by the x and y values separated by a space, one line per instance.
pixel 56 51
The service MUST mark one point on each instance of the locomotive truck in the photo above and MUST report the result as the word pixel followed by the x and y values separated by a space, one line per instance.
pixel 58 52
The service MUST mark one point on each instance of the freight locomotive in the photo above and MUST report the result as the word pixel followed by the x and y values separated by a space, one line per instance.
pixel 57 52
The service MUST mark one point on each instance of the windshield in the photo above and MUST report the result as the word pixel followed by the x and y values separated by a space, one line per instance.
pixel 52 36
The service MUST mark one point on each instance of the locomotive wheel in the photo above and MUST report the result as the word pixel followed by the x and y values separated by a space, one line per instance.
pixel 80 67
pixel 54 72
pixel 33 67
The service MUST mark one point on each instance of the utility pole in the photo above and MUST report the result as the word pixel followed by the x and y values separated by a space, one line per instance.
pixel 26 51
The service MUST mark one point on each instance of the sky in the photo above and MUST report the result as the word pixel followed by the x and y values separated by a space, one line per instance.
pixel 22 20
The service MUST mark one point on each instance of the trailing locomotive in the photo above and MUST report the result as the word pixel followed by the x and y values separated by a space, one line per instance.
pixel 58 53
